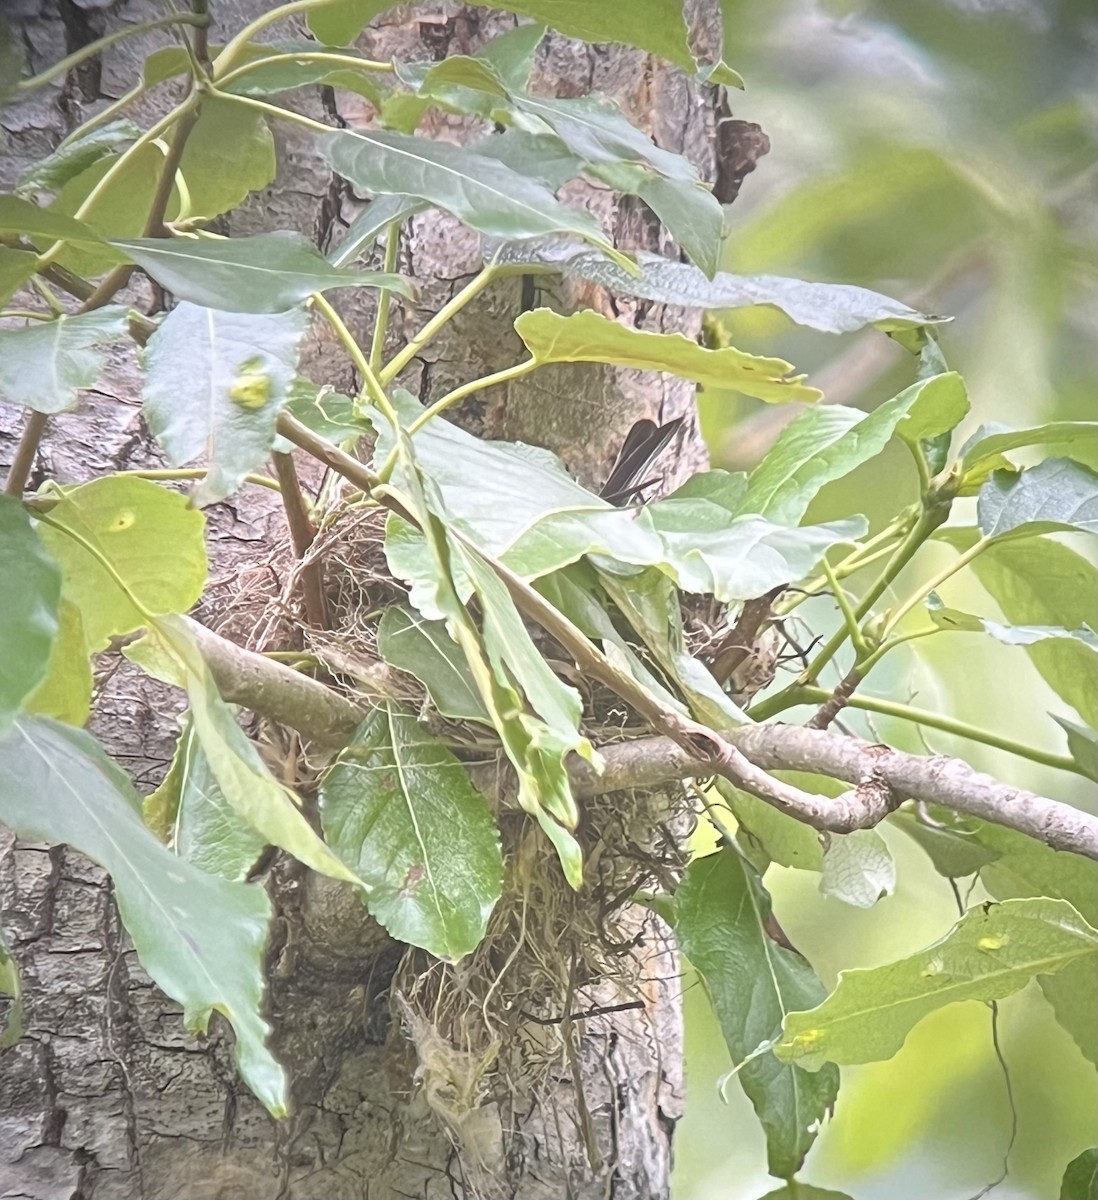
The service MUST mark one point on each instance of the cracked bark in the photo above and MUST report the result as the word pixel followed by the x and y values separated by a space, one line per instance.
pixel 106 1097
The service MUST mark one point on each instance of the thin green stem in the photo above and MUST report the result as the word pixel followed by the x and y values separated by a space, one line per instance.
pixel 384 300
pixel 26 314
pixel 924 590
pixel 272 110
pixel 869 663
pixel 237 46
pixel 104 116
pixel 370 382
pixel 850 618
pixel 932 720
pixel 323 56
pixel 169 474
pixel 439 321
pixel 93 48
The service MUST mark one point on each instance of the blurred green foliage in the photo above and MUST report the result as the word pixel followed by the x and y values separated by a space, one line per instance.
pixel 942 152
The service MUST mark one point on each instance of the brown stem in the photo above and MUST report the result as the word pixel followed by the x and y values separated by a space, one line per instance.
pixel 740 642
pixel 836 702
pixel 302 533
pixel 23 462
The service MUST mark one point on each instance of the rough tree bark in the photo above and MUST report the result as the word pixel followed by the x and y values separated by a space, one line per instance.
pixel 106 1097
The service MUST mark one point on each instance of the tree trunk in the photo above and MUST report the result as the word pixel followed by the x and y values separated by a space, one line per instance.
pixel 399 1088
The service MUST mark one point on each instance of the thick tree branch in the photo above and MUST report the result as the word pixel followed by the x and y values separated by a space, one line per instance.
pixel 882 777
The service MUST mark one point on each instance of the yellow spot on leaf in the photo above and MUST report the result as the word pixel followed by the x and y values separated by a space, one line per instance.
pixel 993 942
pixel 251 389
pixel 121 521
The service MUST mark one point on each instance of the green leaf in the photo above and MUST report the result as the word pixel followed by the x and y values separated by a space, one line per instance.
pixel 512 54
pixel 30 593
pixel 724 925
pixel 691 214
pixel 325 411
pixel 368 226
pixel 1073 995
pixel 424 649
pixel 21 217
pixel 827 307
pixel 990 953
pixel 400 807
pixel 46 363
pixel 120 210
pixel 235 764
pixel 1082 745
pixel 214 385
pixel 488 196
pixel 16 267
pixel 858 868
pixel 1010 635
pixel 283 75
pixel 827 443
pixel 190 811
pixel 1062 439
pixel 267 273
pixel 56 169
pixel 951 843
pixel 65 692
pixel 339 23
pixel 200 938
pixel 590 337
pixel 784 840
pixel 1081 1177
pixel 229 154
pixel 1057 494
pixel 10 985
pixel 1036 581
pixel 126 548
pixel 539 157
pixel 796 1189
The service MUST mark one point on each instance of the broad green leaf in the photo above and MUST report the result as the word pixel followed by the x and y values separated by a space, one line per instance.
pixel 990 953
pixel 65 692
pixel 590 337
pixel 45 364
pixel 229 154
pixel 783 840
pixel 56 169
pixel 858 868
pixel 724 925
pixel 120 210
pixel 189 810
pixel 652 25
pixel 200 938
pixel 16 267
pixel 1057 494
pixel 512 54
pixel 368 226
pixel 267 273
pixel 460 83
pixel 1010 635
pixel 1061 439
pixel 1080 1180
pixel 1036 581
pixel 1073 994
pixel 214 385
pixel 401 809
pixel 11 986
pixel 826 443
pixel 324 411
pixel 234 761
pixel 541 157
pixel 424 649
pixel 286 74
pixel 827 307
pixel 488 196
pixel 952 843
pixel 30 594
pixel 1082 745
pixel 22 217
pixel 739 558
pixel 692 215
pixel 126 548
pixel 796 1189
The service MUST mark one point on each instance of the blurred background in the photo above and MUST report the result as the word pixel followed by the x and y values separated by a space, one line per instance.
pixel 941 152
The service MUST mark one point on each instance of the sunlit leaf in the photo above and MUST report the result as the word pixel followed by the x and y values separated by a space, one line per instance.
pixel 30 594
pixel 189 810
pixel 201 939
pixel 126 547
pixel 16 267
pixel 214 385
pixel 484 193
pixel 1057 494
pixel 324 411
pixel 990 953
pixel 590 337
pixel 229 153
pixel 826 443
pixel 400 808
pixel 66 690
pixel 723 923
pixel 858 868
pixel 12 987
pixel 1036 581
pixel 1061 439
pixel 424 649
pixel 46 363
pixel 267 273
